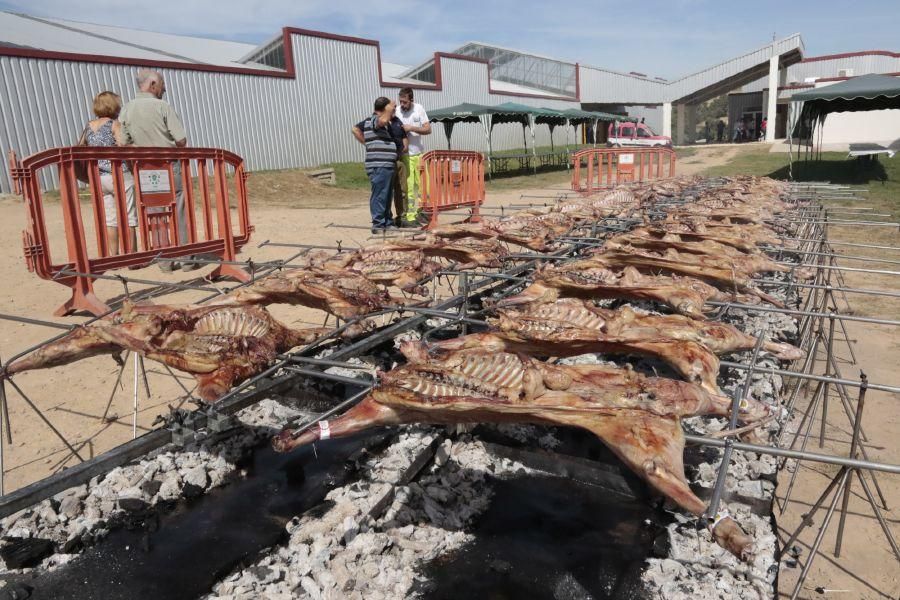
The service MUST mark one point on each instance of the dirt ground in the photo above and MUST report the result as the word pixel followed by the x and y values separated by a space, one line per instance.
pixel 704 157
pixel 289 208
pixel 866 566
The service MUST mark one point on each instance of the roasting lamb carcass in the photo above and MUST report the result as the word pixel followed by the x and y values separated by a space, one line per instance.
pixel 219 346
pixel 530 231
pixel 586 279
pixel 719 271
pixel 344 293
pixel 660 234
pixel 638 417
pixel 402 267
pixel 464 252
pixel 570 327
pixel 755 234
pixel 749 263
pixel 691 360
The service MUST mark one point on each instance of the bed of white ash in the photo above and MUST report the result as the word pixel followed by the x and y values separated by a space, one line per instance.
pixel 378 531
pixel 696 566
pixel 55 530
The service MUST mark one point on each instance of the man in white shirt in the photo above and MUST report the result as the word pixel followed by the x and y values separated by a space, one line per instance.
pixel 415 123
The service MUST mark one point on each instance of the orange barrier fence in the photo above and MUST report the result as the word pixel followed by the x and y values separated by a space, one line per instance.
pixel 596 168
pixel 140 208
pixel 13 164
pixel 451 179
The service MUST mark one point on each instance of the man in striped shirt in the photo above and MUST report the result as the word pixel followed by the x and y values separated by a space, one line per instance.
pixel 384 139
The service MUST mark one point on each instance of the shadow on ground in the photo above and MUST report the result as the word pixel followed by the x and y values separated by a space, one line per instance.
pixel 843 171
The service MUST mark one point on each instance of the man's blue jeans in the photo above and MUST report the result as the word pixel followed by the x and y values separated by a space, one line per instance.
pixel 380 200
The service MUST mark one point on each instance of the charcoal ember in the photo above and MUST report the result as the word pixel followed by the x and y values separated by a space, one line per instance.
pixel 191 491
pixel 569 588
pixel 132 504
pixel 72 545
pixel 24 553
pixel 150 488
pixel 15 591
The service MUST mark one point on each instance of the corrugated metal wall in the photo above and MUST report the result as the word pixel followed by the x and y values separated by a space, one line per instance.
pixel 274 123
pixel 46 103
pixel 277 123
pixel 861 65
pixel 604 86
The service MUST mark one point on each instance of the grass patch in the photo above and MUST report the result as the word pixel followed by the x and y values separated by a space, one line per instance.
pixel 518 182
pixel 682 152
pixel 880 179
pixel 350 175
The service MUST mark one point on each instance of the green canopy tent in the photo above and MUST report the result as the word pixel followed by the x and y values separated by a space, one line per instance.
pixel 461 113
pixel 866 92
pixel 536 116
pixel 576 116
pixel 488 116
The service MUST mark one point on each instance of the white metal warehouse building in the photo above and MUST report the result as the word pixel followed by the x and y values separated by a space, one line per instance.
pixel 291 101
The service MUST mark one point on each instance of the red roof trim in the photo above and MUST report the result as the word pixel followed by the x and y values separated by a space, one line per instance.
pixel 290 67
pixel 851 54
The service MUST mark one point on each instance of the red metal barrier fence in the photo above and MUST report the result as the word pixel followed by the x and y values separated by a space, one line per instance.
pixel 13 164
pixel 143 201
pixel 451 179
pixel 596 168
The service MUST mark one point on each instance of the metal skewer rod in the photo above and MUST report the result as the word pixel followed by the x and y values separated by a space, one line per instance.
pixel 846 256
pixel 848 290
pixel 840 243
pixel 821 378
pixel 307 246
pixel 492 275
pixel 837 268
pixel 839 222
pixel 329 376
pixel 713 507
pixel 163 284
pixel 796 454
pixel 336 409
pixel 802 313
pixel 41 322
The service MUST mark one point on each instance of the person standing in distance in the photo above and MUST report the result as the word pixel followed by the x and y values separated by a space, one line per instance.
pixel 416 124
pixel 148 120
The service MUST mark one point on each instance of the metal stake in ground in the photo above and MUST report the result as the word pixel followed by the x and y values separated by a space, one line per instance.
pixel 736 402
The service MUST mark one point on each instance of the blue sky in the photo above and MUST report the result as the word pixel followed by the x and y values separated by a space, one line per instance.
pixel 660 38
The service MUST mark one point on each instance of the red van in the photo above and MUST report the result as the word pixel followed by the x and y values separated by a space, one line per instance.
pixel 629 133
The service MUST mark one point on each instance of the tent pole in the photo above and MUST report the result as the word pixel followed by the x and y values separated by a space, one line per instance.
pixel 488 126
pixel 533 145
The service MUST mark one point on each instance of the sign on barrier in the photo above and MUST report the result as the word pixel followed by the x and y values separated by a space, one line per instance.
pixel 145 191
pixel 597 168
pixel 451 179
